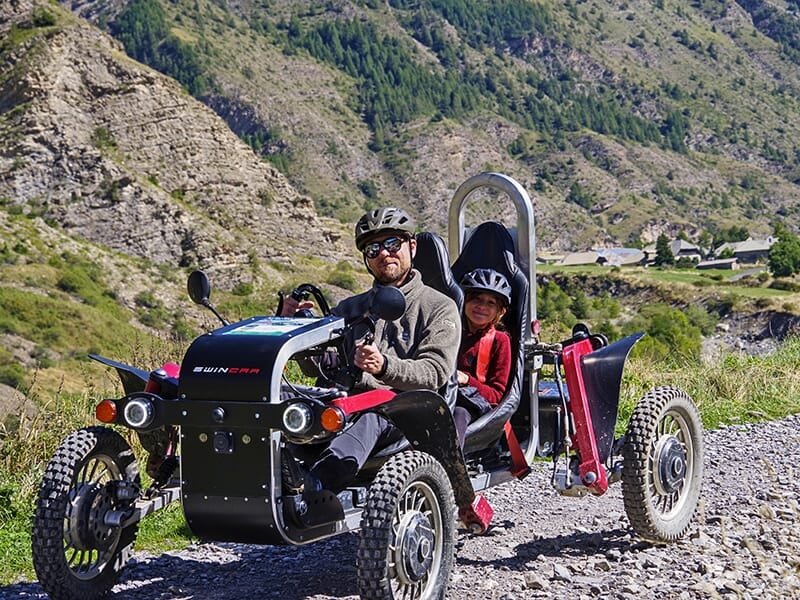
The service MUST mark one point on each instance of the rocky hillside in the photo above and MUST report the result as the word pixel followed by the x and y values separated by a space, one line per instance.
pixel 624 119
pixel 106 149
pixel 115 180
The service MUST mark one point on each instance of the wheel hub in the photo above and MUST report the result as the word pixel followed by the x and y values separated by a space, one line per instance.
pixel 670 468
pixel 86 514
pixel 415 547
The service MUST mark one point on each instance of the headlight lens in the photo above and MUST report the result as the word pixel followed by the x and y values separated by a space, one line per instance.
pixel 297 418
pixel 138 413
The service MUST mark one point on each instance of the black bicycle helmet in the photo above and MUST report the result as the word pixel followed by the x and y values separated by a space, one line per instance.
pixel 383 220
pixel 487 280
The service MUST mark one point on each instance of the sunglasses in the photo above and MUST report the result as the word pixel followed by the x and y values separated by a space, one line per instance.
pixel 392 245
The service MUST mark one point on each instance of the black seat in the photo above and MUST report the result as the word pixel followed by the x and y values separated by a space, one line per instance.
pixel 491 246
pixel 433 261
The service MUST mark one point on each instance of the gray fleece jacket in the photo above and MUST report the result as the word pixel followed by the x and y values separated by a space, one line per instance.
pixel 420 347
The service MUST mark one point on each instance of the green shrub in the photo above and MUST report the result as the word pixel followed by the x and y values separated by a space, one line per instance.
pixel 265 196
pixel 182 330
pixel 242 289
pixel 146 299
pixel 343 279
pixel 671 337
pixel 43 17
pixel 785 284
pixel 700 318
pixel 12 374
pixel 153 317
pixel 103 139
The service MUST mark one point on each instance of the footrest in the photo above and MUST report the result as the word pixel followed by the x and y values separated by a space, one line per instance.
pixel 477 516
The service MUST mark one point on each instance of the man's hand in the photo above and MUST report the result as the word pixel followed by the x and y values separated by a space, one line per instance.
pixel 368 358
pixel 463 378
pixel 291 306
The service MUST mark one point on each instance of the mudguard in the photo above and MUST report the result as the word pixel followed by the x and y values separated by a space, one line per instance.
pixel 425 419
pixel 602 376
pixel 133 379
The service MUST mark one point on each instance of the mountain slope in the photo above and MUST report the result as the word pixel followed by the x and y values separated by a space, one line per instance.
pixel 120 155
pixel 625 120
pixel 113 183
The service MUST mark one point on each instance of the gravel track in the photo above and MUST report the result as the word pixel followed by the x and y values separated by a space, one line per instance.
pixel 744 543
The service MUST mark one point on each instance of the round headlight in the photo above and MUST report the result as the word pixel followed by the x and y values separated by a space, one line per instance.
pixel 138 412
pixel 297 418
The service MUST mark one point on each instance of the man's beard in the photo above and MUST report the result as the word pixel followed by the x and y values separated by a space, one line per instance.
pixel 393 276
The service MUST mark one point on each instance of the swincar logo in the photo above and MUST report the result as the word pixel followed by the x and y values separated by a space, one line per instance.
pixel 227 370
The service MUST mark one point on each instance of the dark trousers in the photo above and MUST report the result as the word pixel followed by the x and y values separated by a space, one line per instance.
pixel 346 454
pixel 462 418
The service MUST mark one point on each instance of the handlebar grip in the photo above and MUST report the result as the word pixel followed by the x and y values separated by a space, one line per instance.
pixel 299 295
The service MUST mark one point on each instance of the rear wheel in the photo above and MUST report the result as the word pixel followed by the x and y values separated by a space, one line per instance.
pixel 662 464
pixel 78 553
pixel 407 544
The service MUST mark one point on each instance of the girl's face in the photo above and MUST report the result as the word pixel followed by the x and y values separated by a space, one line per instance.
pixel 482 309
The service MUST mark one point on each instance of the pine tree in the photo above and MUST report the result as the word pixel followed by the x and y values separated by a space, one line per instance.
pixel 664 254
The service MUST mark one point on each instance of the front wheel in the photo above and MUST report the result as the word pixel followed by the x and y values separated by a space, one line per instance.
pixel 78 552
pixel 407 541
pixel 662 464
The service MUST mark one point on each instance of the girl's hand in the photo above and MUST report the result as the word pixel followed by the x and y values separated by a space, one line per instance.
pixel 463 378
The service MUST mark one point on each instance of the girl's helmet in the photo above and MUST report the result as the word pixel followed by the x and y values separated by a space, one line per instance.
pixel 383 220
pixel 487 280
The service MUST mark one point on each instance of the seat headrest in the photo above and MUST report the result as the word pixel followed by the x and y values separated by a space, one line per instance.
pixel 490 245
pixel 433 262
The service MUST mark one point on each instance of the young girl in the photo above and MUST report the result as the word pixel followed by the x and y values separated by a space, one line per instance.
pixel 484 358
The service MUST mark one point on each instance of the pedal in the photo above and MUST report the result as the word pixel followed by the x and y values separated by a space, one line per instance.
pixel 477 516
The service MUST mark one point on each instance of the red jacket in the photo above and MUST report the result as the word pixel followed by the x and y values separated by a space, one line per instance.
pixel 497 370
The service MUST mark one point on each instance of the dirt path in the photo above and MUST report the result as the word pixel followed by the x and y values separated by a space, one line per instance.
pixel 745 543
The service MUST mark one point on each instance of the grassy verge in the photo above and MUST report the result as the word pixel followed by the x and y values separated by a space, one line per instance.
pixel 736 389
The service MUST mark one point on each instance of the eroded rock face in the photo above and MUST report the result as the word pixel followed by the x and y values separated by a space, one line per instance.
pixel 114 152
pixel 16 410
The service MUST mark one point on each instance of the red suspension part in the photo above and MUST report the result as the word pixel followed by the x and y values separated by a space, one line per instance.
pixel 592 472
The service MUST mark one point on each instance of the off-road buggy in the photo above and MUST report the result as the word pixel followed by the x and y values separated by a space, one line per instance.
pixel 229 411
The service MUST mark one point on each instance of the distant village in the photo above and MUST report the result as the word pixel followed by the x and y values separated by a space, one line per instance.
pixel 730 255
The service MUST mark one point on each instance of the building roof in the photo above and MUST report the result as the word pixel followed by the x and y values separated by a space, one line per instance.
pixel 719 263
pixel 620 256
pixel 749 245
pixel 579 258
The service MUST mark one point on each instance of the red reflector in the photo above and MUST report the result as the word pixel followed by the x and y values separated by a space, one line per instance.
pixel 106 411
pixel 332 419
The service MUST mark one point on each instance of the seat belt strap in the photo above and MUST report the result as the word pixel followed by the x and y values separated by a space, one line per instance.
pixel 484 353
pixel 519 466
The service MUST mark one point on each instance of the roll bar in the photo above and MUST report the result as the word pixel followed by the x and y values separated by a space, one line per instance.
pixel 524 235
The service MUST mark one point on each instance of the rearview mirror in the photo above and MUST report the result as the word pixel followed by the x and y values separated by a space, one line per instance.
pixel 388 303
pixel 199 287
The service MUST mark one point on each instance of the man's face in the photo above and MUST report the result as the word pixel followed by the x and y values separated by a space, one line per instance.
pixel 390 267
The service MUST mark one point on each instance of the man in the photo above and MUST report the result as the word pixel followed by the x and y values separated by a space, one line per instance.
pixel 416 351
